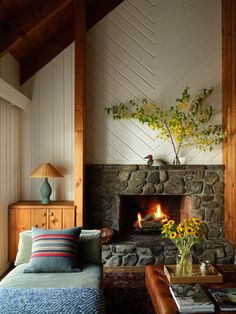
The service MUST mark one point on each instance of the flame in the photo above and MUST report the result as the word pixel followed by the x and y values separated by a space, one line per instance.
pixel 139 219
pixel 158 213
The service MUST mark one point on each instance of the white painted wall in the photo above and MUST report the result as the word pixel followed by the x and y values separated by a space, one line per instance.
pixel 153 49
pixel 9 154
pixel 144 48
pixel 47 127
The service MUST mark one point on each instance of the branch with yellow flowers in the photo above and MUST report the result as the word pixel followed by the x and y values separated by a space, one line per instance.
pixel 185 124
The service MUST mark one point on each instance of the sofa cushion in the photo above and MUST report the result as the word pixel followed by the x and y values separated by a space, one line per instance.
pixel 24 248
pixel 54 251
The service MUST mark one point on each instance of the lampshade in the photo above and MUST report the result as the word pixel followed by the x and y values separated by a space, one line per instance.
pixel 45 170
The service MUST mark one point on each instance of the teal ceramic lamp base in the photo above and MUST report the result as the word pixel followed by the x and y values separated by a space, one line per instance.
pixel 46 192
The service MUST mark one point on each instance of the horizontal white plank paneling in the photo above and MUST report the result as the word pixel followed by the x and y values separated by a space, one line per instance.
pixel 154 49
pixel 47 127
pixel 9 155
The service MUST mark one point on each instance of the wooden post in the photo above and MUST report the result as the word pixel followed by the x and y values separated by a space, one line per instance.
pixel 80 58
pixel 229 113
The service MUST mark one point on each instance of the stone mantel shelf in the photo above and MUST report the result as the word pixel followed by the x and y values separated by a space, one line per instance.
pixel 133 167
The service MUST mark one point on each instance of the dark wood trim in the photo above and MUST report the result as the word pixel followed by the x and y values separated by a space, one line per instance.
pixel 55 45
pixel 229 113
pixel 79 143
pixel 27 20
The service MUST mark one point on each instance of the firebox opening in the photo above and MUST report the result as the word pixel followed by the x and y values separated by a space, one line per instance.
pixel 144 213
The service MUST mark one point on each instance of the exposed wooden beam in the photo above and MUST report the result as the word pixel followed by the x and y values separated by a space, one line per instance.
pixel 48 51
pixel 229 112
pixel 13 96
pixel 27 20
pixel 79 143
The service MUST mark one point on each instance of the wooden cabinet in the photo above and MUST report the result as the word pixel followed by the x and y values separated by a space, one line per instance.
pixel 24 215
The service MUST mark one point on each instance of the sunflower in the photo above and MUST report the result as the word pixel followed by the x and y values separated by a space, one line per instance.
pixel 180 228
pixel 180 235
pixel 171 222
pixel 164 220
pixel 189 230
pixel 173 235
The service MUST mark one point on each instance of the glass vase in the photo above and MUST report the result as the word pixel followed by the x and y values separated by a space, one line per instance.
pixel 184 263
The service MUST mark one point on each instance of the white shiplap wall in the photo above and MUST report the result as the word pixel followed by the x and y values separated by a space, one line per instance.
pixel 9 154
pixel 47 127
pixel 153 49
pixel 144 48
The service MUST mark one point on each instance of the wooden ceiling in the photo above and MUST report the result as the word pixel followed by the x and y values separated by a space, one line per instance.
pixel 35 31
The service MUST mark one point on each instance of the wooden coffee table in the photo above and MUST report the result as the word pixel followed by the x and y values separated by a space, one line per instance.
pixel 158 288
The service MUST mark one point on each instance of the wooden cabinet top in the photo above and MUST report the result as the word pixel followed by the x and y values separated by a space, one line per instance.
pixel 37 204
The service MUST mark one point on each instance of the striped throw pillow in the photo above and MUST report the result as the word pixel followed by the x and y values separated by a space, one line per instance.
pixel 54 251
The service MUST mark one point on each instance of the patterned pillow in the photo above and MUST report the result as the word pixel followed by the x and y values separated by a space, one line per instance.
pixel 54 251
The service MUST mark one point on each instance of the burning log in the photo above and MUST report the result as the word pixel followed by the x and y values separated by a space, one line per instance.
pixel 151 224
pixel 152 217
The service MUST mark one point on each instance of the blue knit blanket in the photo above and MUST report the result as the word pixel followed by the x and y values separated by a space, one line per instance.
pixel 51 301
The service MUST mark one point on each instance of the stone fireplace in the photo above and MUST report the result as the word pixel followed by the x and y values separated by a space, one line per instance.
pixel 114 194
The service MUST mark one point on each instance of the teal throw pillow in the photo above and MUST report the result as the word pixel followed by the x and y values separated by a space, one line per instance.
pixel 54 251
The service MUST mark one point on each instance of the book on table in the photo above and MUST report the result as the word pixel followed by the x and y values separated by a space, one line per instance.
pixel 191 298
pixel 225 298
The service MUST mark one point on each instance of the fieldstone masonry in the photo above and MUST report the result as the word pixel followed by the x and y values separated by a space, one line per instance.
pixel 205 185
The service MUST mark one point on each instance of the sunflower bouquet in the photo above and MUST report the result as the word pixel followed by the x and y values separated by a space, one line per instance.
pixel 184 235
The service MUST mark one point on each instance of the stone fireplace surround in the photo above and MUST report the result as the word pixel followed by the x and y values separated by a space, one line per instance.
pixel 205 185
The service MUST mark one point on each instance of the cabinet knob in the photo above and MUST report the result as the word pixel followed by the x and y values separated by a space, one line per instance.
pixel 51 214
pixel 36 226
pixel 44 214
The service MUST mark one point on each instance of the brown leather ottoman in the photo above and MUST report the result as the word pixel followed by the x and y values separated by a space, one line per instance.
pixel 158 288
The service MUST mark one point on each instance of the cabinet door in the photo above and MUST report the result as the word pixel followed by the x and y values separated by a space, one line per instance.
pixel 22 222
pixel 39 217
pixel 68 218
pixel 55 218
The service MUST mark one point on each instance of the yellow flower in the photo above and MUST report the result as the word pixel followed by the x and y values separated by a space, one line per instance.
pixel 165 219
pixel 180 235
pixel 189 230
pixel 173 235
pixel 180 228
pixel 171 222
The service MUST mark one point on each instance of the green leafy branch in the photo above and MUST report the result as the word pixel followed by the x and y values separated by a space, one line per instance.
pixel 185 124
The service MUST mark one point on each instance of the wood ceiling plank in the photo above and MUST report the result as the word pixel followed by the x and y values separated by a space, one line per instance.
pixel 48 51
pixel 27 20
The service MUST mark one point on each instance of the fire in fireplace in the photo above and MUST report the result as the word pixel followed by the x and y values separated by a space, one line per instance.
pixel 152 222
pixel 143 214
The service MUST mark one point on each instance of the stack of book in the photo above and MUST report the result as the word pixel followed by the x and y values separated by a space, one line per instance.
pixel 191 299
pixel 225 298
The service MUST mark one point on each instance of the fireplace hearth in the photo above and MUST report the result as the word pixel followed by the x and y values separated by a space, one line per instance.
pixel 112 192
pixel 143 214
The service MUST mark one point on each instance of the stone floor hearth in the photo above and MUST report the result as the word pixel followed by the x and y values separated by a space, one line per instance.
pixel 148 250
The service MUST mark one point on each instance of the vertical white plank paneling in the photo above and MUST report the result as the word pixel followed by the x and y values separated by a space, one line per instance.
pixel 9 155
pixel 58 117
pixel 47 127
pixel 69 120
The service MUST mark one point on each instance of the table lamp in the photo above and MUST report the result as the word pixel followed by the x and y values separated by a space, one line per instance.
pixel 45 170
